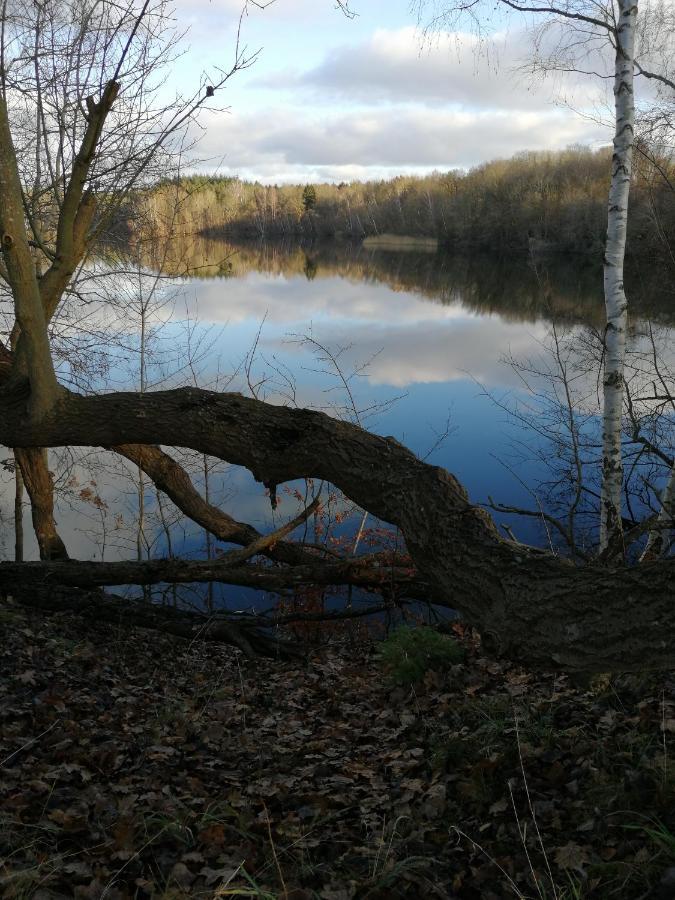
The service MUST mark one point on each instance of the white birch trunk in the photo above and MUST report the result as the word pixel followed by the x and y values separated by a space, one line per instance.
pixel 615 297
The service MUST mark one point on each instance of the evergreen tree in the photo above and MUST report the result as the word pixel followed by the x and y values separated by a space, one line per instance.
pixel 309 197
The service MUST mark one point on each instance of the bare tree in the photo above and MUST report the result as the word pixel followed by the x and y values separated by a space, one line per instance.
pixel 81 126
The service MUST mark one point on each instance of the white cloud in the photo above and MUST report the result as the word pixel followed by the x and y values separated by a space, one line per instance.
pixel 277 143
pixel 218 11
pixel 376 104
pixel 422 341
pixel 219 20
pixel 456 69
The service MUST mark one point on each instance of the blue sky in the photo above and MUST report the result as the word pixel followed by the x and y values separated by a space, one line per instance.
pixel 333 98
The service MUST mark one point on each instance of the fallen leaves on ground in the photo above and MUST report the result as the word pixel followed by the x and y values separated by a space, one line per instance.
pixel 134 765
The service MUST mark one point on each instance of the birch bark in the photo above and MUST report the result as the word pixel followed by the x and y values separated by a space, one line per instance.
pixel 615 297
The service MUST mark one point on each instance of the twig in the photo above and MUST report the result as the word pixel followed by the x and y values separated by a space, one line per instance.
pixel 234 557
pixel 514 887
pixel 28 743
pixel 531 808
pixel 274 851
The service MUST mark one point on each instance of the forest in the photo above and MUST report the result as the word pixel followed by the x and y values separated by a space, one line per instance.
pixel 552 201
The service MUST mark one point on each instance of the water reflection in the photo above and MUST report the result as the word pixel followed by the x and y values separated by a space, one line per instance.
pixel 564 288
pixel 429 325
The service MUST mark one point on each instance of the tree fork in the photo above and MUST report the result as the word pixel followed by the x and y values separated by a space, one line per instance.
pixel 34 359
pixel 171 478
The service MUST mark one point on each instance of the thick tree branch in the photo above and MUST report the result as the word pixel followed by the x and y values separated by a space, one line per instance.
pixel 359 572
pixel 97 114
pixel 171 478
pixel 56 279
pixel 655 76
pixel 532 605
pixel 265 541
pixel 78 207
pixel 558 11
pixel 566 534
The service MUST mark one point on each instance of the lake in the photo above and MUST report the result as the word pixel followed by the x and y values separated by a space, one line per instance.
pixel 409 343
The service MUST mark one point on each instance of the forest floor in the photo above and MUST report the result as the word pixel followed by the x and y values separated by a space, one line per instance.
pixel 137 765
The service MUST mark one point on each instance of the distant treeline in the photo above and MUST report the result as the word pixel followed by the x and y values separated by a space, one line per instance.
pixel 541 200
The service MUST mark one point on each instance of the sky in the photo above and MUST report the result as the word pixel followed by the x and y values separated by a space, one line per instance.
pixel 332 98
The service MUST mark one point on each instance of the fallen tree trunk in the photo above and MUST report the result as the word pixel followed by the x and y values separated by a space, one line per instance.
pixel 529 603
pixel 361 572
pixel 249 637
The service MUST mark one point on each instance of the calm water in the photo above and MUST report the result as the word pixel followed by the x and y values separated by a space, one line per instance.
pixel 418 336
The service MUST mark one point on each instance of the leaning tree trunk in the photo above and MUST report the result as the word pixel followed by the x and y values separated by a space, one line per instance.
pixel 615 297
pixel 531 604
pixel 33 358
pixel 39 483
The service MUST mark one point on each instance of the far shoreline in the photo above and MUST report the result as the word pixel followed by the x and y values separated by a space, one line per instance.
pixel 401 242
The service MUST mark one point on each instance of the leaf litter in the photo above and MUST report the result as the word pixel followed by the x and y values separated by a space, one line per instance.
pixel 136 765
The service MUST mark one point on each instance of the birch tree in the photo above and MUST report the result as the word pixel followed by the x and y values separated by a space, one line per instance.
pixel 616 304
pixel 586 35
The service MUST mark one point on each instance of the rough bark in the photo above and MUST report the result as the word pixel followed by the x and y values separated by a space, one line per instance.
pixel 359 572
pixel 532 605
pixel 615 298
